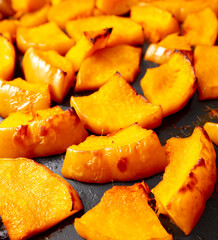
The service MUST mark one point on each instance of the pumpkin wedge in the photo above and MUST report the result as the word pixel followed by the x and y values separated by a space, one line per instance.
pixel 48 67
pixel 7 58
pixel 24 6
pixel 68 10
pixel 201 28
pixel 125 214
pixel 128 154
pixel 188 180
pixel 19 95
pixel 161 52
pixel 33 198
pixel 212 130
pixel 206 68
pixel 104 63
pixel 87 45
pixel 44 37
pixel 116 105
pixel 171 85
pixel 40 133
pixel 8 27
pixel 125 31
pixel 156 22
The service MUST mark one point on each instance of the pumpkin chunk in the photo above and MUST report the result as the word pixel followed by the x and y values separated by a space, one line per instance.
pixel 6 8
pixel 188 180
pixel 212 130
pixel 171 85
pixel 87 45
pixel 8 27
pixel 161 52
pixel 33 198
pixel 128 154
pixel 19 95
pixel 7 58
pixel 44 37
pixel 125 31
pixel 206 68
pixel 116 105
pixel 68 10
pixel 27 5
pixel 48 67
pixel 157 23
pixel 40 133
pixel 125 214
pixel 104 63
pixel 201 28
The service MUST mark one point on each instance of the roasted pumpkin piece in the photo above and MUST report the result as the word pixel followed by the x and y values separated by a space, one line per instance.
pixel 19 95
pixel 171 85
pixel 116 105
pixel 161 52
pixel 7 58
pixel 125 31
pixel 104 63
pixel 27 5
pixel 157 23
pixel 212 130
pixel 188 180
pixel 44 37
pixel 87 45
pixel 48 67
pixel 128 154
pixel 201 28
pixel 33 198
pixel 9 27
pixel 6 8
pixel 34 19
pixel 206 68
pixel 125 214
pixel 40 133
pixel 68 10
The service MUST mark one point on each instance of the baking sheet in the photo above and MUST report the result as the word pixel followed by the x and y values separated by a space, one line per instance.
pixel 180 124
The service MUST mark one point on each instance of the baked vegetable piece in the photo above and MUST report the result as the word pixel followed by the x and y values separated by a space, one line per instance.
pixel 33 198
pixel 161 52
pixel 104 63
pixel 48 67
pixel 87 45
pixel 68 10
pixel 128 154
pixel 188 180
pixel 156 22
pixel 40 133
pixel 8 27
pixel 7 58
pixel 19 95
pixel 125 31
pixel 27 5
pixel 206 68
pixel 212 130
pixel 171 85
pixel 44 37
pixel 6 8
pixel 201 28
pixel 125 214
pixel 116 105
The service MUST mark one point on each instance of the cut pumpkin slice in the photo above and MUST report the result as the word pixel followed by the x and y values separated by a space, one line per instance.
pixel 125 30
pixel 116 105
pixel 40 133
pixel 212 130
pixel 33 198
pixel 128 154
pixel 19 95
pixel 104 63
pixel 188 180
pixel 125 214
pixel 8 27
pixel 171 85
pixel 49 67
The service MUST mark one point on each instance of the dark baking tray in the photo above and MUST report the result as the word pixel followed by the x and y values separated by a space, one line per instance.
pixel 180 124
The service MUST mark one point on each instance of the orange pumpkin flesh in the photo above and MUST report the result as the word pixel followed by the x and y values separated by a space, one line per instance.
pixel 171 85
pixel 128 154
pixel 24 6
pixel 125 31
pixel 188 180
pixel 212 130
pixel 9 27
pixel 115 105
pixel 123 213
pixel 104 63
pixel 40 133
pixel 33 198
pixel 19 95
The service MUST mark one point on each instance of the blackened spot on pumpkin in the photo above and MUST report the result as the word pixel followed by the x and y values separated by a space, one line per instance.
pixel 122 164
pixel 183 190
pixel 201 163
pixel 22 130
